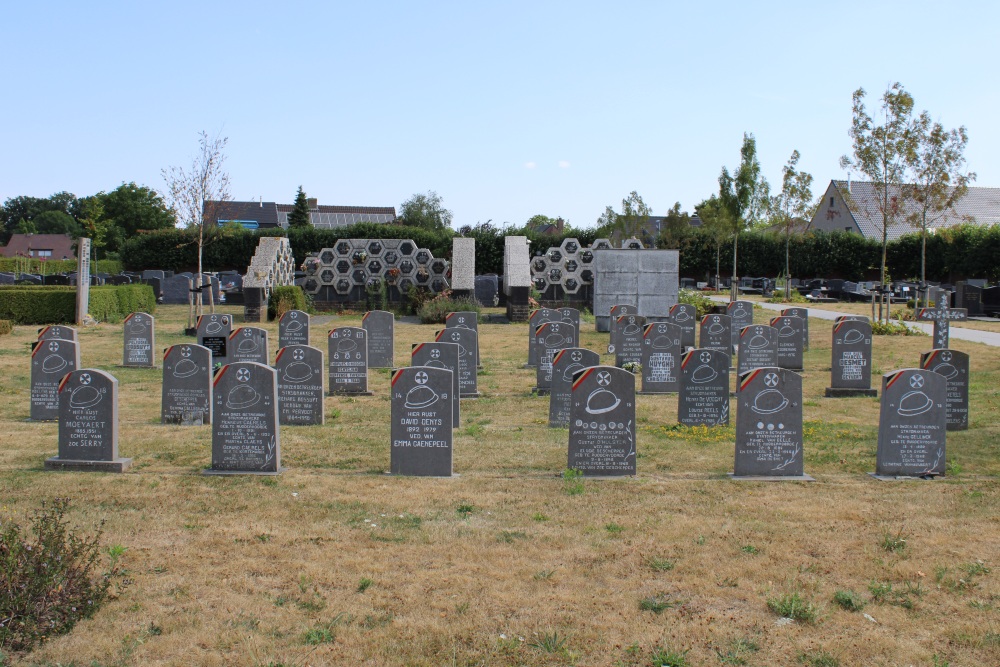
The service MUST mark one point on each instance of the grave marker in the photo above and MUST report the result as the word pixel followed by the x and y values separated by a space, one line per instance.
pixel 627 331
pixel 661 358
pixel 741 315
pixel 57 333
pixel 465 320
pixel 769 424
pixel 616 312
pixel 685 316
pixel 551 337
pixel 757 348
pixel 248 344
pixel 467 342
pixel 954 366
pixel 570 316
pixel 348 351
pixel 83 284
pixel 942 318
pixel 704 395
pixel 537 317
pixel 803 314
pixel 565 364
pixel 715 335
pixel 441 355
pixel 602 422
pixel 851 359
pixel 422 421
pixel 140 340
pixel 790 341
pixel 186 397
pixel 912 424
pixel 293 328
pixel 51 359
pixel 245 434
pixel 300 385
pixel 88 423
pixel 380 325
pixel 213 332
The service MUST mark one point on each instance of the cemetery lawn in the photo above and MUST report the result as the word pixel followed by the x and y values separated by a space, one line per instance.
pixel 336 563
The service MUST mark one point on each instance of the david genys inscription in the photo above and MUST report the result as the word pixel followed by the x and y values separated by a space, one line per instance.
pixel 602 422
pixel 421 428
pixel 245 434
pixel 187 385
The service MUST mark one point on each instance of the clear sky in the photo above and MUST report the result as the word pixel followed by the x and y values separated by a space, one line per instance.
pixel 505 109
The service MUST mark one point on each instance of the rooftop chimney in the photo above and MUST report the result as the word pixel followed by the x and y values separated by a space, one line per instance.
pixel 313 203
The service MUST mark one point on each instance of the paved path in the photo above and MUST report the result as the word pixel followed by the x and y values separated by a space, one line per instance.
pixel 957 332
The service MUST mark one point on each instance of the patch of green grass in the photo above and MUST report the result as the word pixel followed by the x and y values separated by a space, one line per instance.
pixel 738 652
pixel 661 564
pixel 750 549
pixel 465 509
pixel 548 643
pixel 364 584
pixel 474 430
pixel 893 542
pixel 572 481
pixel 614 528
pixel 819 659
pixel 668 657
pixel 543 575
pixel 848 600
pixel 511 536
pixel 538 516
pixel 795 607
pixel 657 603
pixel 883 592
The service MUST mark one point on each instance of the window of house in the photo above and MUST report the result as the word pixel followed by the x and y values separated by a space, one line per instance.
pixel 831 202
pixel 44 254
pixel 847 229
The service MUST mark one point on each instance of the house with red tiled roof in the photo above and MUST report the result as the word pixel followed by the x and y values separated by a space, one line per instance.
pixel 40 246
pixel 269 214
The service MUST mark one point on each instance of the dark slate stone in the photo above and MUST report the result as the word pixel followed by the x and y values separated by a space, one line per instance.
pixel 441 355
pixel 802 313
pixel 380 325
pixel 248 344
pixel 704 395
pixel 348 358
pixel 618 311
pixel 187 385
pixel 488 291
pixel 790 341
pixel 769 424
pixel 51 359
pixel 954 366
pixel 969 297
pixel 213 332
pixel 88 423
pixel 57 333
pixel 300 385
pixel 177 290
pixel 151 273
pixel 465 320
pixel 468 343
pixel 422 421
pixel 140 340
pixel 851 355
pixel 570 316
pixel 29 279
pixel 626 334
pixel 912 424
pixel 757 348
pixel 740 315
pixel 714 333
pixel 55 279
pixel 685 316
pixel 661 358
pixel 942 318
pixel 550 338
pixel 566 363
pixel 293 328
pixel 602 422
pixel 7 278
pixel 245 434
pixel 539 316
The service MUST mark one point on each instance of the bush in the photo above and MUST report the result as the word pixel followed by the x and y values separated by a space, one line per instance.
pixel 435 310
pixel 284 299
pixel 6 326
pixel 696 299
pixel 50 266
pixel 894 329
pixel 31 304
pixel 49 577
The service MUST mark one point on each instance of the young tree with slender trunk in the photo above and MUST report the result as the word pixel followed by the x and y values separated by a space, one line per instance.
pixel 715 221
pixel 745 196
pixel 792 207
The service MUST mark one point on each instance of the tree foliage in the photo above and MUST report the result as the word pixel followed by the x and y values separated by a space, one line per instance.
pixel 630 223
pixel 426 211
pixel 744 194
pixel 792 208
pixel 299 217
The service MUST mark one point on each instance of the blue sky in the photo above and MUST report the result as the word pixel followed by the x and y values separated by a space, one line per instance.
pixel 505 109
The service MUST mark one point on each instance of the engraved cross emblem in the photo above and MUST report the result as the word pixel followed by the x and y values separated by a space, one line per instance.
pixel 576 356
pixel 917 381
pixel 421 377
pixel 185 351
pixel 298 355
pixel 435 353
pixel 604 378
pixel 243 375
pixel 705 357
pixel 85 378
pixel 54 346
pixel 771 379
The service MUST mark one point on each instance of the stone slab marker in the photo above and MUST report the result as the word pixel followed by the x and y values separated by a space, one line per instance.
pixel 627 332
pixel 685 316
pixel 616 311
pixel 58 333
pixel 954 366
pixel 661 358
pixel 421 430
pixel 758 348
pixel 293 328
pixel 602 422
pixel 769 424
pixel 186 397
pixel 550 338
pixel 463 267
pixel 300 385
pixel 714 333
pixel 791 337
pixel 570 316
pixel 348 359
pixel 912 424
pixel 740 315
pixel 516 277
pixel 51 359
pixel 441 355
pixel 140 340
pixel 537 317
pixel 213 332
pixel 942 318
pixel 851 359
pixel 245 435
pixel 467 342
pixel 465 320
pixel 381 328
pixel 566 363
pixel 248 344
pixel 802 313
pixel 704 395
pixel 88 423
pixel 83 279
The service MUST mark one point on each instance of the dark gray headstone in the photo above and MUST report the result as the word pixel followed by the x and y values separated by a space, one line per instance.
pixel 851 318
pixel 151 273
pixel 380 325
pixel 704 395
pixel 465 320
pixel 741 315
pixel 551 337
pixel 57 332
pixel 488 291
pixel 566 363
pixel 140 340
pixel 300 385
pixel 245 434
pixel 537 317
pixel 293 328
pixel 176 290
pixel 661 358
pixel 969 297
pixel 7 278
pixel 757 348
pixel 602 422
pixel 570 316
pixel 626 331
pixel 421 422
pixel 954 366
pixel 441 355
pixel 213 332
pixel 187 385
pixel 88 423
pixel 912 424
pixel 616 312
pixel 685 316
pixel 468 343
pixel 714 333
pixel 51 359
pixel 348 359
pixel 942 318
pixel 769 424
pixel 248 344
pixel 851 358
pixel 802 313
pixel 790 340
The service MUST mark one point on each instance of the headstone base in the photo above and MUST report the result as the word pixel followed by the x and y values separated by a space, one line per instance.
pixel 770 478
pixel 659 393
pixel 903 478
pixel 210 471
pixel 350 393
pixel 843 392
pixel 117 465
pixel 540 392
pixel 193 331
pixel 475 395
pixel 451 476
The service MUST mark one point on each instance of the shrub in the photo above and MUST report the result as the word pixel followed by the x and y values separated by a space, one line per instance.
pixel 696 299
pixel 49 577
pixel 6 326
pixel 849 600
pixel 793 606
pixel 435 310
pixel 284 299
pixel 894 329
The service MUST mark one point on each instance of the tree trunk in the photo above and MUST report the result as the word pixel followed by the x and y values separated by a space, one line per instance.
pixel 788 275
pixel 733 289
pixel 201 245
pixel 718 264
pixel 923 258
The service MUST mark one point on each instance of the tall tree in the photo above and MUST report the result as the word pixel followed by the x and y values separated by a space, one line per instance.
pixel 136 207
pixel 299 217
pixel 882 153
pixel 792 207
pixel 744 195
pixel 630 223
pixel 189 189
pixel 426 211
pixel 716 223
pixel 676 228
pixel 937 166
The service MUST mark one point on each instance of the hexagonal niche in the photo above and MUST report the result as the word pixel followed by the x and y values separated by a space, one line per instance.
pixel 555 275
pixel 406 267
pixel 438 267
pixel 374 248
pixel 374 267
pixel 632 244
pixel 344 266
pixel 327 276
pixel 343 248
pixel 570 246
pixel 312 265
pixel 390 257
pixel 422 277
pixel 406 248
pixel 538 264
pixel 359 256
pixel 586 256
pixel 422 256
pixel 326 257
pixel 587 276
pixel 404 284
pixel 571 285
pixel 601 244
pixel 310 285
pixel 540 283
pixel 343 286
pixel 554 255
pixel 570 265
pixel 438 285
pixel 359 276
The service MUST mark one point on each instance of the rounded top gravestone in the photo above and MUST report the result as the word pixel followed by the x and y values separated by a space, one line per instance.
pixel 602 422
pixel 912 424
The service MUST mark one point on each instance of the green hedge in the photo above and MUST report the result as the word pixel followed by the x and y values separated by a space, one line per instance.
pixel 31 304
pixel 284 299
pixel 50 266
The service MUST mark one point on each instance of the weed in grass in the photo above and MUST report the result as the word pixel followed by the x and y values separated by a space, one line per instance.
pixel 750 549
pixel 668 657
pixel 543 575
pixel 321 634
pixel 465 509
pixel 538 516
pixel 364 584
pixel 548 642
pixel 573 481
pixel 614 528
pixel 371 622
pixel 883 592
pixel 334 414
pixel 661 564
pixel 657 603
pixel 938 661
pixel 474 430
pixel 264 538
pixel 818 659
pixel 510 536
pixel 269 481
pixel 739 652
pixel 848 600
pixel 893 543
pixel 795 607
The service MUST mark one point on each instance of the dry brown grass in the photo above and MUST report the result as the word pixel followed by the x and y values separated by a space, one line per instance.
pixel 248 571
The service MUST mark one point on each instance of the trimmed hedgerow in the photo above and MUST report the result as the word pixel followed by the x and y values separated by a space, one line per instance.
pixel 52 304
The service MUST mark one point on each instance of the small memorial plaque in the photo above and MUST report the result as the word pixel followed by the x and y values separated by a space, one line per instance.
pixel 565 364
pixel 602 422
pixel 248 344
pixel 851 359
pixel 790 340
pixel 348 350
pixel 954 366
pixel 551 337
pixel 88 423
pixel 769 424
pixel 539 316
pixel 468 343
pixel 380 325
pixel 715 335
pixel 758 348
pixel 704 395
pixel 912 424
pixel 213 332
pixel 51 359
pixel 626 330
pixel 293 328
pixel 187 385
pixel 140 340
pixel 57 332
pixel 422 421
pixel 300 385
pixel 741 315
pixel 441 355
pixel 661 358
pixel 465 320
pixel 803 314
pixel 245 434
pixel 685 316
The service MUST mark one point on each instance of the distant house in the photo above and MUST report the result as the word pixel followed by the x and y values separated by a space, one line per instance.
pixel 268 214
pixel 547 228
pixel 40 246
pixel 852 206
